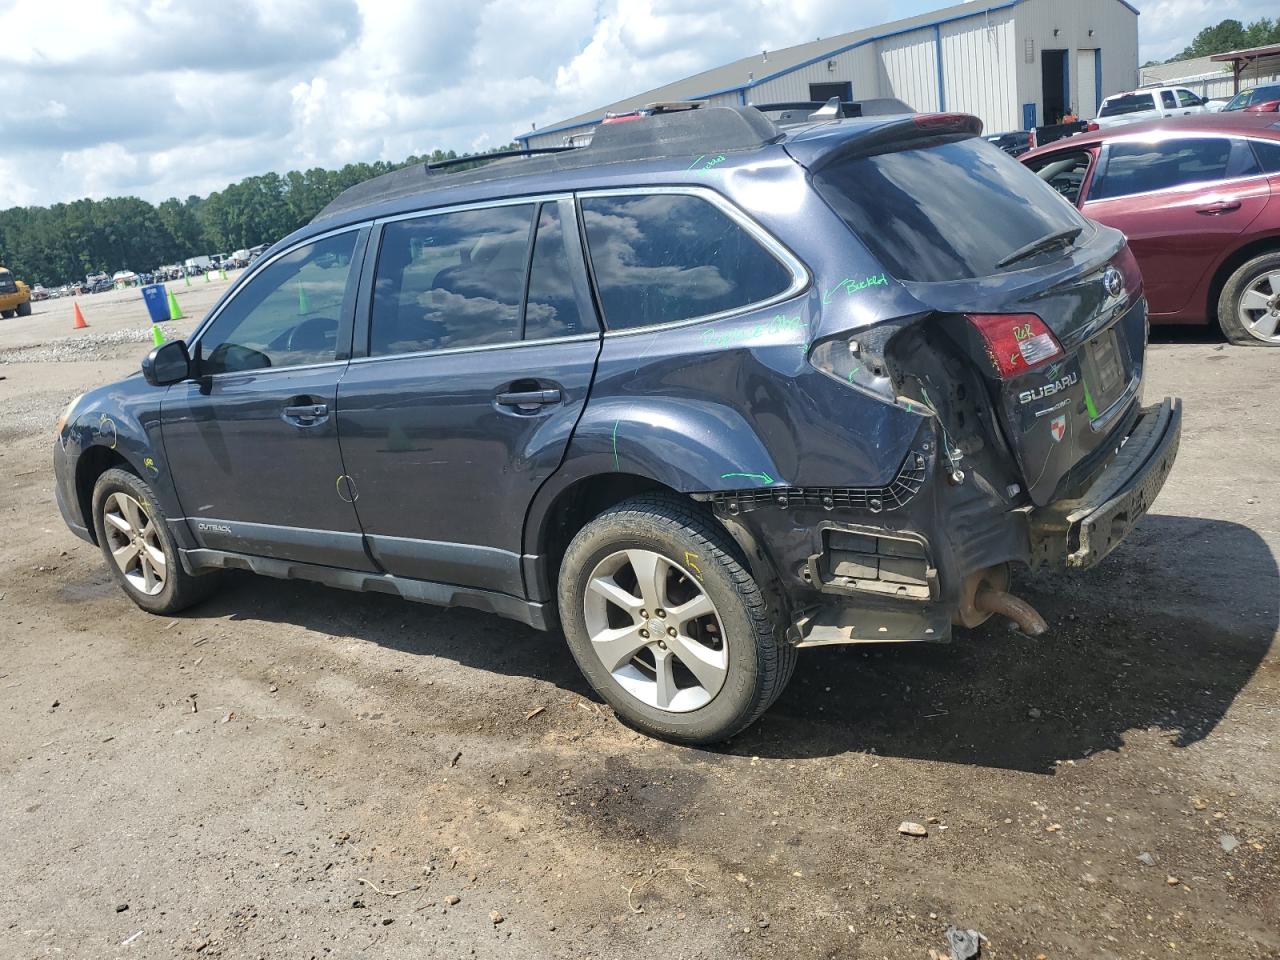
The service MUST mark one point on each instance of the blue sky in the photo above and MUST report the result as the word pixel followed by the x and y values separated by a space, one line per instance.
pixel 164 98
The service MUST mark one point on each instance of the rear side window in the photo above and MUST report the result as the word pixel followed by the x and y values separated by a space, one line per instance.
pixel 1268 153
pixel 552 309
pixel 662 258
pixel 1128 103
pixel 450 280
pixel 1166 97
pixel 1134 167
pixel 945 212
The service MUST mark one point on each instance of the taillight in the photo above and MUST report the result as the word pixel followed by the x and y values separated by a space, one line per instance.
pixel 1031 139
pixel 1016 342
pixel 1091 127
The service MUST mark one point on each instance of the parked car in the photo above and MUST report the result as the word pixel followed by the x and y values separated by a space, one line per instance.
pixel 15 297
pixel 1135 106
pixel 1265 99
pixel 1013 142
pixel 1199 200
pixel 700 394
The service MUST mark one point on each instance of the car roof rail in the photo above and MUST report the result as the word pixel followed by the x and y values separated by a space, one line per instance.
pixel 686 132
pixel 479 158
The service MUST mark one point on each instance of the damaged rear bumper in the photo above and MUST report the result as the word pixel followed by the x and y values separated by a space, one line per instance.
pixel 1075 534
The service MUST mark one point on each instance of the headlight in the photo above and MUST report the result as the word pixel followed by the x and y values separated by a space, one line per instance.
pixel 66 415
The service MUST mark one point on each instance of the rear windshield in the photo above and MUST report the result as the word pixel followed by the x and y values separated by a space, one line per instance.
pixel 945 212
pixel 1129 103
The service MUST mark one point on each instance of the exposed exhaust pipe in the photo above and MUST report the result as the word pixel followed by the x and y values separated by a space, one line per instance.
pixel 1016 609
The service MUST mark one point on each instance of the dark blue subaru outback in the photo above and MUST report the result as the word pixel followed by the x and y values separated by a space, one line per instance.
pixel 699 394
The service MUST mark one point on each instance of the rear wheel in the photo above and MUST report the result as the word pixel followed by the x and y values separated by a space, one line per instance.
pixel 138 547
pixel 1249 307
pixel 7 314
pixel 668 625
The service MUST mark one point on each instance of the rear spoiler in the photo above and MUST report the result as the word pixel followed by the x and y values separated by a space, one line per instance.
pixel 917 130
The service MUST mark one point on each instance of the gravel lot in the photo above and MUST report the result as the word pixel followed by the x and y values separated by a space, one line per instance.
pixel 289 771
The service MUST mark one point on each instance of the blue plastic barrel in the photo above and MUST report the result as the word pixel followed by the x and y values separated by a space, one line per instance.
pixel 157 300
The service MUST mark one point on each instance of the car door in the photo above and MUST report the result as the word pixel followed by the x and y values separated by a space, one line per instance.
pixel 252 441
pixel 479 343
pixel 1180 201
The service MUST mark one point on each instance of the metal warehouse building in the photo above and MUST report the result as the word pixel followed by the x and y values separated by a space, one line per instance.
pixel 1016 64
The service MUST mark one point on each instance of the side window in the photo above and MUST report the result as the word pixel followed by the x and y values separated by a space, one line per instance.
pixel 450 280
pixel 551 309
pixel 661 258
pixel 1065 173
pixel 285 316
pixel 1188 99
pixel 1268 153
pixel 1142 167
pixel 1166 97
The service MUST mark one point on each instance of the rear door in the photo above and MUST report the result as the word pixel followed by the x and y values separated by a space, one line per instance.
pixel 252 443
pixel 1181 201
pixel 477 348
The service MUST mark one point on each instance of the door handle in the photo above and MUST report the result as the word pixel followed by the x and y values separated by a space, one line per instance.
pixel 529 398
pixel 1219 206
pixel 307 413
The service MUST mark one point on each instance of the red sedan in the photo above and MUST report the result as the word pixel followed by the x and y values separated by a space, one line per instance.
pixel 1199 199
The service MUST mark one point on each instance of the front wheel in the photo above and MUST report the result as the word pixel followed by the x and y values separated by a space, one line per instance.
pixel 138 547
pixel 24 309
pixel 1249 307
pixel 668 625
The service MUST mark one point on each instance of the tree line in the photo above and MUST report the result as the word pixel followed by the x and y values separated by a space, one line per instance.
pixel 1229 35
pixel 68 241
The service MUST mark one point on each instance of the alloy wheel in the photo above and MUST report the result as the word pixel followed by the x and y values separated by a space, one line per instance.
pixel 133 537
pixel 655 629
pixel 1259 308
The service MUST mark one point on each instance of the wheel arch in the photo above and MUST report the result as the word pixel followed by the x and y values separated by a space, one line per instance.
pixel 555 519
pixel 1270 243
pixel 92 463
pixel 626 445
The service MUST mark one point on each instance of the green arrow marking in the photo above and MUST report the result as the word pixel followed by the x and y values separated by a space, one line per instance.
pixel 764 478
pixel 826 297
pixel 1088 402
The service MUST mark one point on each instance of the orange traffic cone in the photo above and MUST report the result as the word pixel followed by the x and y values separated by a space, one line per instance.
pixel 79 324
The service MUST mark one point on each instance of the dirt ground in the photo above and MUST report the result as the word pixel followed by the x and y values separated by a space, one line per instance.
pixel 292 772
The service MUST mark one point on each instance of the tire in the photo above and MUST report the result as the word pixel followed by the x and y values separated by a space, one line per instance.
pixel 737 646
pixel 168 588
pixel 24 309
pixel 1249 306
pixel 7 314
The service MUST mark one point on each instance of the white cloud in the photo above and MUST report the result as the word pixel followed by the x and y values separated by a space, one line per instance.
pixel 171 97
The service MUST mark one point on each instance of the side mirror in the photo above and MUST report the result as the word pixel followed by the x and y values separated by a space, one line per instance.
pixel 166 364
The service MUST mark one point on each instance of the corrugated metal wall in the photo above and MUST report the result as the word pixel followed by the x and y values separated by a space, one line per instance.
pixel 1114 30
pixel 1219 85
pixel 856 66
pixel 908 68
pixel 979 70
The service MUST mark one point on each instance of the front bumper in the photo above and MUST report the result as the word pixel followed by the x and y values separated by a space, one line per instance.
pixel 1076 533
